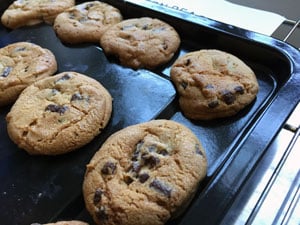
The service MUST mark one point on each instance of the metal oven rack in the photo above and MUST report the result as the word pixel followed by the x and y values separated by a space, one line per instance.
pixel 276 197
pixel 295 26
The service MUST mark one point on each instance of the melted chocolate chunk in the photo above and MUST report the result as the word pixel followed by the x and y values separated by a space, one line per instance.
pixel 89 5
pixel 188 62
pixel 184 84
pixel 76 97
pixel 213 104
pixel 228 97
pixel 64 77
pixel 97 196
pixel 137 151
pixel 6 71
pixel 146 27
pixel 128 180
pixel 143 177
pixel 136 167
pixel 109 168
pixel 101 213
pixel 20 49
pixel 161 187
pixel 150 160
pixel 239 89
pixel 165 46
pixel 163 152
pixel 26 69
pixel 61 109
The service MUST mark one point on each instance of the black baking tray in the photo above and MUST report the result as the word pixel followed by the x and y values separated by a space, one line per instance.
pixel 49 188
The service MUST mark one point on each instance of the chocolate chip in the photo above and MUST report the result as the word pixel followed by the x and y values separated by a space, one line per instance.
pixel 161 187
pixel 76 96
pixel 136 167
pixel 137 151
pixel 228 97
pixel 198 151
pixel 128 180
pixel 163 152
pixel 184 84
pixel 61 109
pixel 64 77
pixel 26 69
pixel 127 27
pixel 89 5
pixel 20 49
pixel 109 168
pixel 187 62
pixel 213 104
pixel 150 160
pixel 239 89
pixel 145 27
pixel 143 177
pixel 165 46
pixel 97 196
pixel 101 213
pixel 6 71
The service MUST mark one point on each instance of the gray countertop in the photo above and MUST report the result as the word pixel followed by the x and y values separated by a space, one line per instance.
pixel 288 8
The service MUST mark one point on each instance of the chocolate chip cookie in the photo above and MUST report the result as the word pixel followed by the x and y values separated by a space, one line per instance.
pixel 86 22
pixel 213 84
pixel 32 12
pixel 21 64
pixel 141 42
pixel 59 114
pixel 144 174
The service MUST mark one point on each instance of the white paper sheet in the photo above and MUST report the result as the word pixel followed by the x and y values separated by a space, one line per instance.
pixel 240 16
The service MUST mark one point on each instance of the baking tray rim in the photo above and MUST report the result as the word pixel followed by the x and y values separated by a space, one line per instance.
pixel 274 107
pixel 288 96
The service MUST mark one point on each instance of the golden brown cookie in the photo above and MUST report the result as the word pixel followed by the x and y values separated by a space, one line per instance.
pixel 144 174
pixel 213 84
pixel 59 114
pixel 21 64
pixel 86 22
pixel 32 12
pixel 71 222
pixel 141 42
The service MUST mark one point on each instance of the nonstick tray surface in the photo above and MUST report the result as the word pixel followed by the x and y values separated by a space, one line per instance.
pixel 49 188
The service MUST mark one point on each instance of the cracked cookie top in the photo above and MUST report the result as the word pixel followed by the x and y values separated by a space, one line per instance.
pixel 141 42
pixel 18 69
pixel 213 84
pixel 86 22
pixel 144 174
pixel 59 114
pixel 31 12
